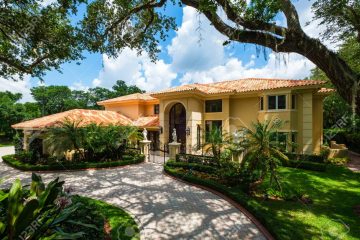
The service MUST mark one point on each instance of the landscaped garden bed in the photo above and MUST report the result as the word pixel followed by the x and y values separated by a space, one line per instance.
pixel 13 161
pixel 37 211
pixel 311 205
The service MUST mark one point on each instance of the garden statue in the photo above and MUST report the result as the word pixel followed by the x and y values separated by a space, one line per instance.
pixel 145 132
pixel 174 136
pixel 236 137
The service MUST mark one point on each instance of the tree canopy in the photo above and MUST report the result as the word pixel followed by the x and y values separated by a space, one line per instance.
pixel 110 26
pixel 54 99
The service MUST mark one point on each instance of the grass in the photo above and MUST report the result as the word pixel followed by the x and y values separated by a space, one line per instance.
pixel 334 192
pixel 121 224
pixel 15 163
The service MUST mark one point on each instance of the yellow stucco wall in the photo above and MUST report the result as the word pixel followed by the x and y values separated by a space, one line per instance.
pixel 132 110
pixel 240 111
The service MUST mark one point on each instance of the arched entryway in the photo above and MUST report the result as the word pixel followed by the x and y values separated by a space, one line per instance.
pixel 177 120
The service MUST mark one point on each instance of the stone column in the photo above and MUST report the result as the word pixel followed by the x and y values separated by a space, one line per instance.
pixel 174 148
pixel 145 149
pixel 26 140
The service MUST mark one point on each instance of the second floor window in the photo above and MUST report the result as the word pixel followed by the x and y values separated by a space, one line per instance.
pixel 156 109
pixel 277 102
pixel 213 105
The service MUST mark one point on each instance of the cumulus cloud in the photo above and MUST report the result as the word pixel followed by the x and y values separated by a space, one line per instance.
pixel 135 69
pixel 19 86
pixel 197 44
pixel 289 66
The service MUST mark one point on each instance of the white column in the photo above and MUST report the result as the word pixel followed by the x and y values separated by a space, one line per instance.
pixel 145 149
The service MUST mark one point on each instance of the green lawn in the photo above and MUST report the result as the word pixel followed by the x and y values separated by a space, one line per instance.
pixel 335 193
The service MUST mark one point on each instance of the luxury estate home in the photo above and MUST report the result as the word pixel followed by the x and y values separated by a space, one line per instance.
pixel 195 109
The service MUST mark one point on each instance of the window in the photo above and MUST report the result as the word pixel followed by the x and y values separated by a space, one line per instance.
pixel 261 103
pixel 213 105
pixel 277 102
pixel 293 101
pixel 156 109
pixel 198 137
pixel 210 126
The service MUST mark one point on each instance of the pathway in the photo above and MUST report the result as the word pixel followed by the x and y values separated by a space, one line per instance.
pixel 165 208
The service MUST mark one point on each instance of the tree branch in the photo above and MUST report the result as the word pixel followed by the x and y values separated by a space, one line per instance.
pixel 257 25
pixel 149 5
pixel 291 15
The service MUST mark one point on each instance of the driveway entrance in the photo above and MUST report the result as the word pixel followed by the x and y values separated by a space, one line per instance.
pixel 164 208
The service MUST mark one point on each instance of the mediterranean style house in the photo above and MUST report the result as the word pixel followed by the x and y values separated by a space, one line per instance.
pixel 195 109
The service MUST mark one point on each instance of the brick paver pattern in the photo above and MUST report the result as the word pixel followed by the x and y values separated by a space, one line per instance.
pixel 163 207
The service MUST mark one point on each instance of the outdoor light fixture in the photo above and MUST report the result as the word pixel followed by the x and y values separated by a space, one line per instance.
pixel 161 129
pixel 188 131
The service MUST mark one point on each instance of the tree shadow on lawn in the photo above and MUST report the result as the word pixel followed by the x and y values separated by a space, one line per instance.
pixel 334 194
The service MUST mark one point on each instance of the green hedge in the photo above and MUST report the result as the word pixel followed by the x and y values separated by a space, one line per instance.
pixel 13 162
pixel 192 166
pixel 304 157
pixel 190 158
pixel 238 196
pixel 314 166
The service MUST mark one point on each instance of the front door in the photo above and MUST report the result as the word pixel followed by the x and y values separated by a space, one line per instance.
pixel 177 118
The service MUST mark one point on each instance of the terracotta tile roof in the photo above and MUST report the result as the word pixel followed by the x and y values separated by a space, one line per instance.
pixel 151 121
pixel 132 97
pixel 240 86
pixel 326 90
pixel 86 117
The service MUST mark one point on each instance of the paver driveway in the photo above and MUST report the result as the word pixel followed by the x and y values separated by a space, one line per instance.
pixel 165 208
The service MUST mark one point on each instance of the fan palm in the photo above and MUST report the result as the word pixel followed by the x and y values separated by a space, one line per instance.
pixel 263 154
pixel 215 142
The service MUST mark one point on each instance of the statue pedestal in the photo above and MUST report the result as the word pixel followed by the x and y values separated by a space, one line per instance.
pixel 238 156
pixel 145 149
pixel 174 148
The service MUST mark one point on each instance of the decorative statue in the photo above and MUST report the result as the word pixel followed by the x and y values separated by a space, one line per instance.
pixel 236 137
pixel 145 132
pixel 174 136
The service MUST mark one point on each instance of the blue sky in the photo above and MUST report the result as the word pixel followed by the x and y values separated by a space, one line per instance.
pixel 183 59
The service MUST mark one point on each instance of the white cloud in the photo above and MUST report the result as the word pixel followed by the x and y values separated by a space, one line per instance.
pixel 135 69
pixel 197 45
pixel 289 66
pixel 19 86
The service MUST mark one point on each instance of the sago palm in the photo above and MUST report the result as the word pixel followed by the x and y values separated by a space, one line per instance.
pixel 263 154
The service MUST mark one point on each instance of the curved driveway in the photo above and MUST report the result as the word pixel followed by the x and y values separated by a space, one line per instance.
pixel 165 208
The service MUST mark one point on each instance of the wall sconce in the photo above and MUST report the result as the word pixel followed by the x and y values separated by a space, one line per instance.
pixel 187 131
pixel 161 130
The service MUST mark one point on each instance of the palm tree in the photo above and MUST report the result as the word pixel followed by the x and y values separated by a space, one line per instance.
pixel 263 154
pixel 215 142
pixel 67 136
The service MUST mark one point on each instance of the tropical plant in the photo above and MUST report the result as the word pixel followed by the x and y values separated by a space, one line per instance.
pixel 107 142
pixel 215 142
pixel 67 136
pixel 36 213
pixel 263 154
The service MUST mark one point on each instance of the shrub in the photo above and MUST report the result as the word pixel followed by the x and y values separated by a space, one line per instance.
pixel 44 208
pixel 314 166
pixel 205 160
pixel 305 157
pixel 13 161
pixel 338 161
pixel 192 166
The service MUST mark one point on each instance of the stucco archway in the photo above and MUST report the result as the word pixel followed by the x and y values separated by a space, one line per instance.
pixel 175 117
